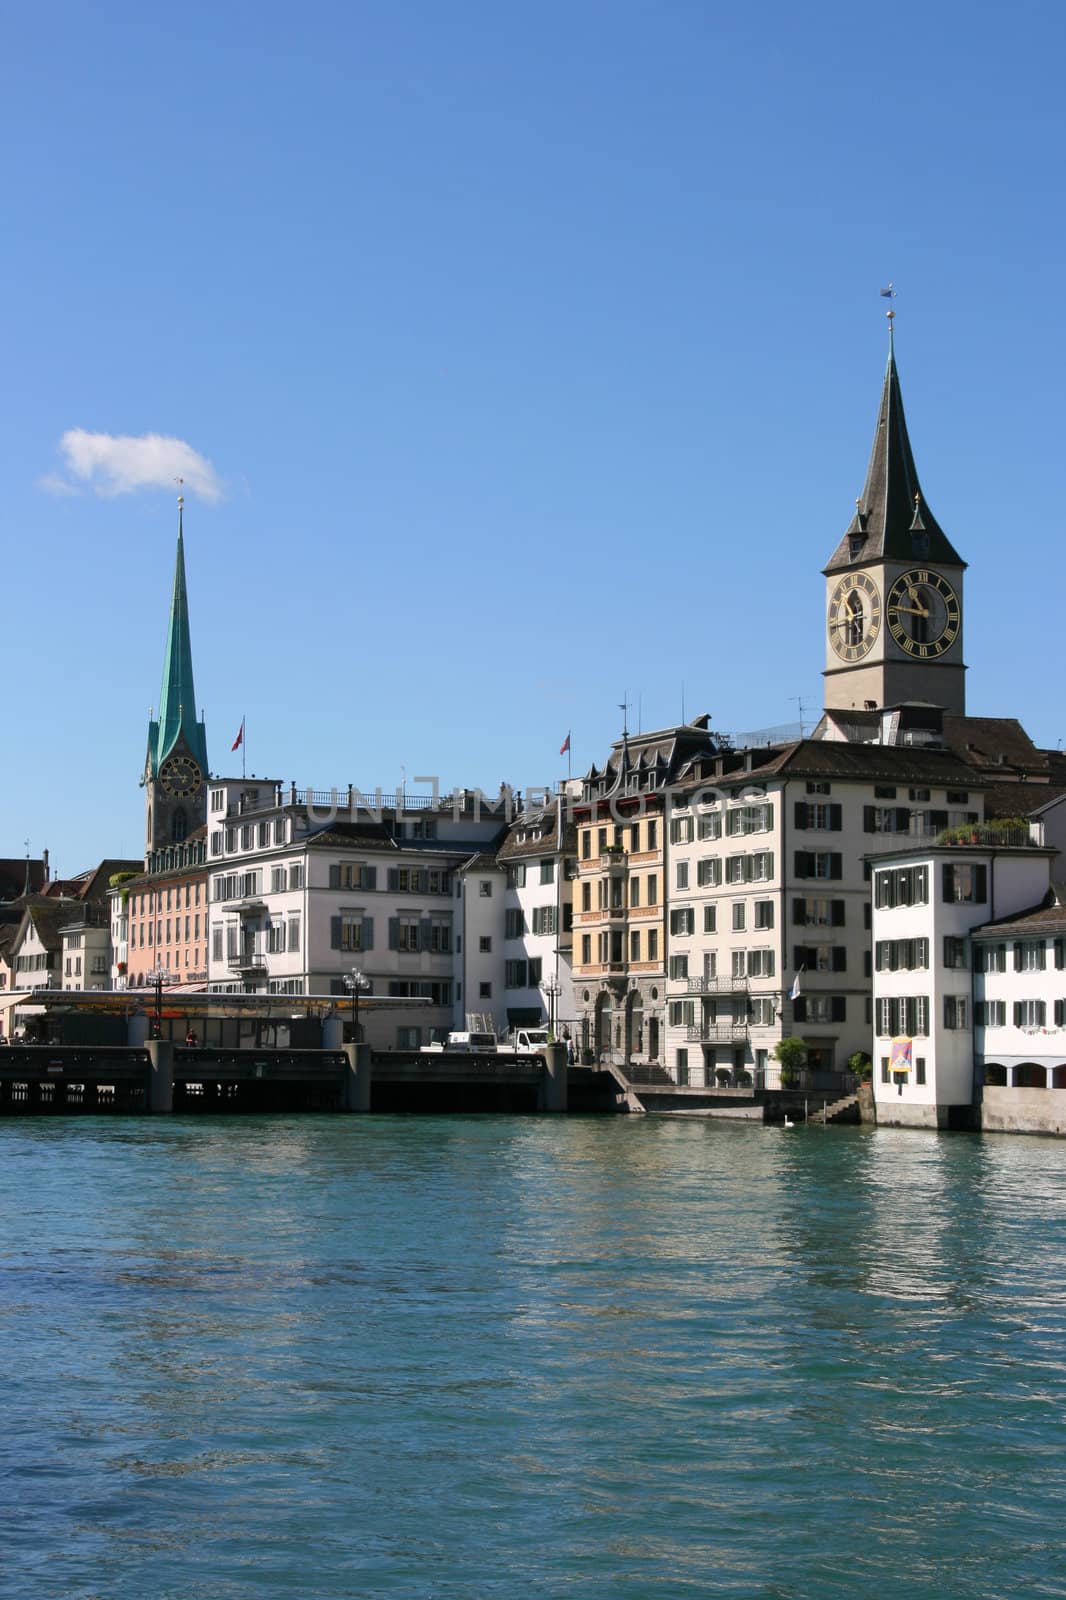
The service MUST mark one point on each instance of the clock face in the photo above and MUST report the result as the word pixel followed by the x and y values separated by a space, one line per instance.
pixel 923 613
pixel 854 619
pixel 180 777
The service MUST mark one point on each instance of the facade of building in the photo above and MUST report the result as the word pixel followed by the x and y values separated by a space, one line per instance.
pixel 308 887
pixel 539 857
pixel 159 920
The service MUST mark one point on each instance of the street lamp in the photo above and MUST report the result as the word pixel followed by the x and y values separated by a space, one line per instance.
pixel 552 989
pixel 159 975
pixel 354 982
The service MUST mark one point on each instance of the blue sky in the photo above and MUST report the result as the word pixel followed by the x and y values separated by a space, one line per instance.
pixel 535 353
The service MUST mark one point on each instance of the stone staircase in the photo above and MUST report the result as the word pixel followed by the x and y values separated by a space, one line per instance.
pixel 846 1109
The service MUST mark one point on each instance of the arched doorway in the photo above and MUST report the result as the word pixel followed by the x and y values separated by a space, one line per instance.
pixel 1030 1076
pixel 995 1075
pixel 603 1024
pixel 1058 1078
pixel 634 1024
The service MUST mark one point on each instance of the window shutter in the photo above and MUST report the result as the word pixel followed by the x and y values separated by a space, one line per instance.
pixel 840 958
pixel 836 821
pixel 867 819
pixel 837 909
pixel 799 913
pixel 425 930
pixel 768 815
pixel 938 820
pixel 368 933
pixel 803 869
pixel 370 877
pixel 948 882
pixel 1059 954
pixel 839 1007
pixel 394 926
pixel 836 864
pixel 903 819
pixel 334 933
pixel 334 877
pixel 1060 1012
pixel 801 813
pixel 1017 1013
pixel 1017 956
pixel 799 1009
pixel 393 880
pixel 799 956
pixel 769 864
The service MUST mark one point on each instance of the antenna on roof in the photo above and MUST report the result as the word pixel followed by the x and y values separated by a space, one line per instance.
pixel 797 700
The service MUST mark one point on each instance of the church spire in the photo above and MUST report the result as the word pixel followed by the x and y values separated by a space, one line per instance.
pixel 177 700
pixel 883 527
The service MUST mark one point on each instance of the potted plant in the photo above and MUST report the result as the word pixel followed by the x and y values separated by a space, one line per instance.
pixel 791 1053
pixel 861 1065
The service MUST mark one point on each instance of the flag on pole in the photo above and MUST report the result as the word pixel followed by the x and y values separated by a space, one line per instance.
pixel 794 992
pixel 239 740
pixel 888 294
pixel 564 747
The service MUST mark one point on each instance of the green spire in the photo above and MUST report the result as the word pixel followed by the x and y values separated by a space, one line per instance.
pixel 177 700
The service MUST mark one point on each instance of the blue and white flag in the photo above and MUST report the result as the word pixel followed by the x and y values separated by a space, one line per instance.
pixel 889 293
pixel 794 992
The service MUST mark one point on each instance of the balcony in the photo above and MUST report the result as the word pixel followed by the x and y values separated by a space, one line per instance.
pixel 717 1032
pixel 724 985
pixel 247 961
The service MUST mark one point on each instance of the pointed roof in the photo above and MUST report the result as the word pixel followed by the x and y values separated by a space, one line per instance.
pixel 892 520
pixel 177 699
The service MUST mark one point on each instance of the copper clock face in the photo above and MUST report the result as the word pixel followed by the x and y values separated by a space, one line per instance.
pixel 180 777
pixel 923 613
pixel 854 619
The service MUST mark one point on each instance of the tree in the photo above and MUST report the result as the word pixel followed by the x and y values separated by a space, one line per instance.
pixel 792 1053
pixel 861 1065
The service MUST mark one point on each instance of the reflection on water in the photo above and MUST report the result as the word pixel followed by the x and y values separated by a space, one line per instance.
pixel 529 1357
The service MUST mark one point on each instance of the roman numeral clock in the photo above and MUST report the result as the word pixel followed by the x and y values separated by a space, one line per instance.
pixel 923 613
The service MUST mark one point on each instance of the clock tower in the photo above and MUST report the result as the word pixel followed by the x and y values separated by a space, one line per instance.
pixel 175 769
pixel 893 616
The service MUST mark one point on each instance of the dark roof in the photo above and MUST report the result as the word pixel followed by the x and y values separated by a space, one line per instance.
pixel 1048 917
pixel 515 848
pixel 354 836
pixel 862 763
pixel 13 876
pixel 999 742
pixel 482 861
pixel 1019 798
pixel 892 519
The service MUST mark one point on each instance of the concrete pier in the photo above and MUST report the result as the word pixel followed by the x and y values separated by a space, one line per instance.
pixel 553 1091
pixel 159 1096
pixel 355 1094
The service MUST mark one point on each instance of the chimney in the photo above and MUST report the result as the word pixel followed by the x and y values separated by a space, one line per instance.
pixel 44 858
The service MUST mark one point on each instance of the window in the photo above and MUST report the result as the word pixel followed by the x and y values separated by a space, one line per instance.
pixel 484 888
pixel 709 825
pixel 919 1070
pixel 485 991
pixel 350 931
pixel 906 955
pixel 740 964
pixel 764 914
pixel 819 864
pixel 820 1008
pixel 885 1076
pixel 276 938
pixel 710 919
pixel 408 1038
pixel 965 882
pixel 816 913
pixel 681 1062
pixel 586 949
pixel 750 819
pixel 818 787
pixel 216 944
pixel 484 944
pixel 634 945
pixel 294 932
pixel 736 869
pixel 919 794
pixel 709 873
pixel 586 844
pixel 516 875
pixel 681 1013
pixel 545 920
pixel 535 966
pixel 682 874
pixel 993 1013
pixel 954 951
pixel 760 963
pixel 957 797
pixel 884 791
pixel 1030 1014
pixel 902 886
pixel 955 1012
pixel 653 944
pixel 905 1016
pixel 514 974
pixel 1030 955
pixel 515 922
pixel 763 1011
pixel 681 830
pixel 886 819
pixel 990 957
pixel 683 920
pixel 406 933
pixel 653 834
pixel 738 916
pixel 818 815
pixel 653 889
pixel 547 872
pixel 279 830
pixel 278 879
pixel 679 967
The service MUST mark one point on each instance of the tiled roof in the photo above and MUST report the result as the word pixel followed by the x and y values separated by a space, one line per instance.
pixel 863 763
pixel 1020 799
pixel 1048 917
pixel 998 742
pixel 516 848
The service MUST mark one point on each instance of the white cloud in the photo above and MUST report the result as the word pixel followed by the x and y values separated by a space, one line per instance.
pixel 111 464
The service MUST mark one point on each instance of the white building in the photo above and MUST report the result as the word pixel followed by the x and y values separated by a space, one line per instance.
pixel 539 857
pixel 927 904
pixel 307 886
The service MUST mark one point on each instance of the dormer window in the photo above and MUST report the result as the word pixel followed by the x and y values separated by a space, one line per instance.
pixel 919 542
pixel 855 544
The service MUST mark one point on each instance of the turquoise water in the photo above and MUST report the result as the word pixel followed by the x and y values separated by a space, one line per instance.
pixel 328 1357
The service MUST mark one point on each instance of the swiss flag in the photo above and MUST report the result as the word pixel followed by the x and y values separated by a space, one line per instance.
pixel 564 747
pixel 239 740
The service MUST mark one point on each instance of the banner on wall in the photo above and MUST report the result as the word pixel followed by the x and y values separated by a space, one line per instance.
pixel 901 1055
